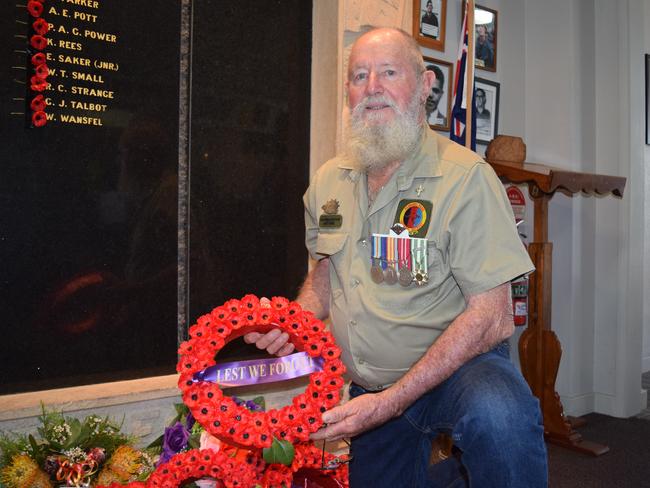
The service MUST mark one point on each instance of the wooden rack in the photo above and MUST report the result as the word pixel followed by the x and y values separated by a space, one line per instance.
pixel 540 350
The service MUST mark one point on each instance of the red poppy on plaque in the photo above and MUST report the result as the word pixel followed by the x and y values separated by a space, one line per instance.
pixel 38 42
pixel 39 119
pixel 38 84
pixel 42 71
pixel 35 8
pixel 41 26
pixel 38 58
pixel 38 103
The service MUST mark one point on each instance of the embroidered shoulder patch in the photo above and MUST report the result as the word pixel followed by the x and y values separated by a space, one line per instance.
pixel 415 215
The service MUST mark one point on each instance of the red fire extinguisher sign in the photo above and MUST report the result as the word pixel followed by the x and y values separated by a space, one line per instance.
pixel 520 301
pixel 519 287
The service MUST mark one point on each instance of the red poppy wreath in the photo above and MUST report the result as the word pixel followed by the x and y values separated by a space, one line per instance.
pixel 234 424
pixel 234 471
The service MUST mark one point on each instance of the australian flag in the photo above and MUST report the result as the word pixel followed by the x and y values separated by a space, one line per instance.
pixel 459 110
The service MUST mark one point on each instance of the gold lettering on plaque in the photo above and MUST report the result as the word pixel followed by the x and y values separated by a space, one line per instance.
pixel 92 107
pixel 85 3
pixel 84 16
pixel 62 58
pixel 100 36
pixel 76 75
pixel 82 120
pixel 88 69
pixel 92 92
pixel 75 46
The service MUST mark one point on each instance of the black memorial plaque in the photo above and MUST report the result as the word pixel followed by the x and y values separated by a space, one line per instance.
pixel 88 190
pixel 250 150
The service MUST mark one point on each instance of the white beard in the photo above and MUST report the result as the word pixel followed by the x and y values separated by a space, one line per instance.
pixel 371 146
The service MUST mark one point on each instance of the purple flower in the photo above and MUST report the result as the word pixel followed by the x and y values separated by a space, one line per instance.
pixel 51 465
pixel 189 421
pixel 251 405
pixel 174 440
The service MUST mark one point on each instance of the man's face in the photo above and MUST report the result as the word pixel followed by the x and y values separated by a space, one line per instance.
pixel 381 81
pixel 482 34
pixel 429 8
pixel 434 96
pixel 480 100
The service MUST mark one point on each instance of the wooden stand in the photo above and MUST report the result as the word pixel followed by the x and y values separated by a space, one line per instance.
pixel 540 350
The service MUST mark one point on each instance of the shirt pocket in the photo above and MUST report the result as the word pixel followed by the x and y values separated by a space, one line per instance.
pixel 439 268
pixel 330 243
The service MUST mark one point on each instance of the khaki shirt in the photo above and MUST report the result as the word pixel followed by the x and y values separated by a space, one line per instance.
pixel 473 246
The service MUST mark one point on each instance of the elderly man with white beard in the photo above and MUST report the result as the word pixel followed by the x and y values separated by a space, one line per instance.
pixel 416 246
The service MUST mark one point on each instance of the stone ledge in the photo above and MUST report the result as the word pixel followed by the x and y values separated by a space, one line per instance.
pixel 145 405
pixel 23 405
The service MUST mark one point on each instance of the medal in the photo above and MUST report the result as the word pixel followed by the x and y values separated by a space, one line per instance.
pixel 376 273
pixel 405 276
pixel 397 259
pixel 419 254
pixel 390 275
pixel 421 278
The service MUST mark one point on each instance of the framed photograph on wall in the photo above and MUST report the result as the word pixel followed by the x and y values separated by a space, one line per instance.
pixel 486 105
pixel 438 105
pixel 485 38
pixel 429 20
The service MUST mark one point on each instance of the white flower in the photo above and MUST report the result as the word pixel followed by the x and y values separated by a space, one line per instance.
pixel 61 432
pixel 147 459
pixel 75 454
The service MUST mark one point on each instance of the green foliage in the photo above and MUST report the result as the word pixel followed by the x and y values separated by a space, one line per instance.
pixel 57 434
pixel 181 412
pixel 259 401
pixel 11 445
pixel 181 416
pixel 281 452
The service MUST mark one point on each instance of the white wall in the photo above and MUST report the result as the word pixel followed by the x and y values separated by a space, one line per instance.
pixel 571 76
pixel 646 163
pixel 583 112
pixel 582 84
pixel 553 112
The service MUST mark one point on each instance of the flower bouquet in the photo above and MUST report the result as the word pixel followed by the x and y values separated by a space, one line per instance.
pixel 70 452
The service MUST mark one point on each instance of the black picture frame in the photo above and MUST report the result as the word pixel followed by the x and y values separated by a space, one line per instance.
pixel 487 126
pixel 442 123
pixel 486 26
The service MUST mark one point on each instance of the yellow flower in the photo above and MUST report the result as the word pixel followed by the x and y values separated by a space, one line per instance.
pixel 106 477
pixel 123 465
pixel 23 472
pixel 41 480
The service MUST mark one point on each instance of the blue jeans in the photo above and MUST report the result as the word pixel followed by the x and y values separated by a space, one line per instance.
pixel 493 419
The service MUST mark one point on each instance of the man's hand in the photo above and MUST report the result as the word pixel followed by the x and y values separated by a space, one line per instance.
pixel 274 341
pixel 313 296
pixel 356 416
